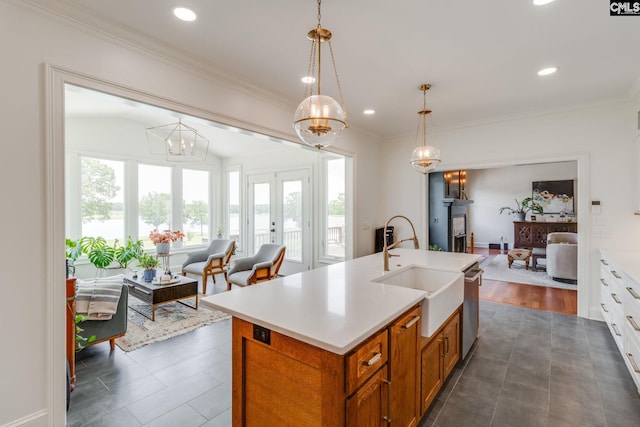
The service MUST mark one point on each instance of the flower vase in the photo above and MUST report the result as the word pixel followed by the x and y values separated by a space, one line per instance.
pixel 163 248
pixel 520 216
pixel 149 275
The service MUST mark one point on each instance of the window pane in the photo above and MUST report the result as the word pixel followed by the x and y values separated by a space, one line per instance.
pixel 335 208
pixel 195 190
pixel 102 198
pixel 261 214
pixel 234 207
pixel 154 203
pixel 292 217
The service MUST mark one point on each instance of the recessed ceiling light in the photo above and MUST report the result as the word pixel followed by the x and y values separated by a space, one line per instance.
pixel 547 71
pixel 541 2
pixel 308 79
pixel 369 112
pixel 184 14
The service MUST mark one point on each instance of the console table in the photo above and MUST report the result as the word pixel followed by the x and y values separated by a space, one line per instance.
pixel 531 234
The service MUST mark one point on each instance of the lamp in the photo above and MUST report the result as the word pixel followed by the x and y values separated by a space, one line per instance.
pixel 320 119
pixel 177 142
pixel 424 158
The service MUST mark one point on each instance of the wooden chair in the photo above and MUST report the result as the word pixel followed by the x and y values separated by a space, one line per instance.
pixel 209 262
pixel 262 266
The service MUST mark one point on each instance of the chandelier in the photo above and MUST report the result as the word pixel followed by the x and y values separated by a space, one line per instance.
pixel 424 158
pixel 319 119
pixel 177 142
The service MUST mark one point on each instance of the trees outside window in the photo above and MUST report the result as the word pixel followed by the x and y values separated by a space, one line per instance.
pixel 101 198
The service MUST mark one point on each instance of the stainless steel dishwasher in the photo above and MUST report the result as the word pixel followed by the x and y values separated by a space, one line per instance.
pixel 470 307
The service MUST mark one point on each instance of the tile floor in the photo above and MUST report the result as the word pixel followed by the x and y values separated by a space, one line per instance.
pixel 529 368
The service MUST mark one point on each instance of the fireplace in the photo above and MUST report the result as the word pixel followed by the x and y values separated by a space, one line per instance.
pixel 447 214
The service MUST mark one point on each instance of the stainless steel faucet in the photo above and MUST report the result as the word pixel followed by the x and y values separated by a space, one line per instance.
pixel 385 250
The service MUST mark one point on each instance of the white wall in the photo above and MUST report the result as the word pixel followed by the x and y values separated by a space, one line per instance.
pixel 601 137
pixel 490 189
pixel 33 345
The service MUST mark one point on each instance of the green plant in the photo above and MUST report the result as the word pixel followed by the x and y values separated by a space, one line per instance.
pixel 435 248
pixel 148 262
pixel 81 341
pixel 101 254
pixel 523 207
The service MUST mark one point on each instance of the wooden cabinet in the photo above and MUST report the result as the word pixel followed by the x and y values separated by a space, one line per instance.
pixel 369 406
pixel 404 339
pixel 439 355
pixel 527 234
pixel 278 380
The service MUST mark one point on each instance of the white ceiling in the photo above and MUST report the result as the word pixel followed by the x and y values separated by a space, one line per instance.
pixel 480 56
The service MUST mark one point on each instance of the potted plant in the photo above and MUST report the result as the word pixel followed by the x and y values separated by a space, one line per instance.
pixel 149 263
pixel 520 211
pixel 103 255
pixel 163 239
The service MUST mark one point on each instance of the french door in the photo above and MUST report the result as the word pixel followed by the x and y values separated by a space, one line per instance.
pixel 279 211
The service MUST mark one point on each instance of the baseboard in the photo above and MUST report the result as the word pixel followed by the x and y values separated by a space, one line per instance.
pixel 37 419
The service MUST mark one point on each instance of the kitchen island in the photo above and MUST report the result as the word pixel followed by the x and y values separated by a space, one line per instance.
pixel 332 346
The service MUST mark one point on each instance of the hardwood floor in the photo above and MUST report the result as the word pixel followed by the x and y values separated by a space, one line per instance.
pixel 537 297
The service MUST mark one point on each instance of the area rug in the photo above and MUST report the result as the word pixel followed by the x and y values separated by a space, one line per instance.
pixel 172 319
pixel 497 268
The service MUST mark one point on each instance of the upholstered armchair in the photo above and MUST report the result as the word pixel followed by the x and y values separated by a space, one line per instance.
pixel 210 261
pixel 262 266
pixel 562 256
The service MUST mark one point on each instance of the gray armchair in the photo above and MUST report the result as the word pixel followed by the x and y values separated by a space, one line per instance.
pixel 562 257
pixel 108 330
pixel 210 261
pixel 262 266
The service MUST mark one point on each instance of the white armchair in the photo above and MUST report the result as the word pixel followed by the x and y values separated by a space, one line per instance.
pixel 262 266
pixel 562 257
pixel 210 261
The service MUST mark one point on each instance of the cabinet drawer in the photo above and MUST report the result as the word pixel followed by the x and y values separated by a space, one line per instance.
pixel 366 360
pixel 631 356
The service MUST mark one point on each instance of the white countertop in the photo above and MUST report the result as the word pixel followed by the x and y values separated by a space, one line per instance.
pixel 338 306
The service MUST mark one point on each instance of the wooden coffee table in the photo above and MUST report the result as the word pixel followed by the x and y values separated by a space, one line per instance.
pixel 157 293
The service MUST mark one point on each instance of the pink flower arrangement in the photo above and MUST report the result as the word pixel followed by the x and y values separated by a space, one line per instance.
pixel 165 236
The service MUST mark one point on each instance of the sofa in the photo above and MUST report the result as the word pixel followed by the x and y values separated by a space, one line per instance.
pixel 108 330
pixel 562 257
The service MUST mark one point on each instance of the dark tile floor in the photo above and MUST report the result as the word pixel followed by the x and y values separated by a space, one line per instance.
pixel 529 368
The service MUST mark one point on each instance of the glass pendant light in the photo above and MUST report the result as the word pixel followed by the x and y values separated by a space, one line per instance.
pixel 424 158
pixel 319 119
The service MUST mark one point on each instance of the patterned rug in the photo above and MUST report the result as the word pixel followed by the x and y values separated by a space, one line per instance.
pixel 172 319
pixel 497 268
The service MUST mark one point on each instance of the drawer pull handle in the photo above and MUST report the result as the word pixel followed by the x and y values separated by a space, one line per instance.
pixel 604 283
pixel 376 357
pixel 615 274
pixel 633 293
pixel 633 363
pixel 604 262
pixel 411 322
pixel 604 307
pixel 615 329
pixel 616 299
pixel 633 323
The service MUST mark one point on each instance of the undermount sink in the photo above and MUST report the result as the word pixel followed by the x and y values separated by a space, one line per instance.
pixel 445 292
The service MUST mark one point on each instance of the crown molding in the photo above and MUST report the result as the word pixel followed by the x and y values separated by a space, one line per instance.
pixel 84 20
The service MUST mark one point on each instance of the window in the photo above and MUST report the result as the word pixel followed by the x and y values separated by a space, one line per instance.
pixel 233 208
pixel 335 209
pixel 195 211
pixel 154 202
pixel 102 198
